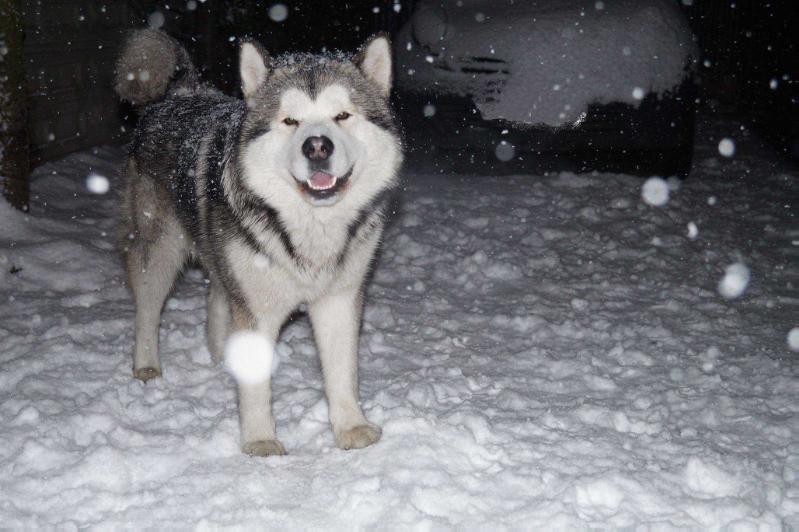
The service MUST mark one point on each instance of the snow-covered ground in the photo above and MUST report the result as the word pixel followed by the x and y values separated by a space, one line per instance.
pixel 540 351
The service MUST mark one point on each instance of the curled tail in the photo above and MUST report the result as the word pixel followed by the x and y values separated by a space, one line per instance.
pixel 153 64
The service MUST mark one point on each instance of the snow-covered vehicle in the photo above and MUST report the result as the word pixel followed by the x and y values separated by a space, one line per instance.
pixel 550 84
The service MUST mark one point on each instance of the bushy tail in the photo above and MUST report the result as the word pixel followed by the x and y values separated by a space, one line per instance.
pixel 153 64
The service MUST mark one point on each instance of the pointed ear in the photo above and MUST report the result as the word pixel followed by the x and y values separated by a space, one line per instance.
pixel 252 67
pixel 374 60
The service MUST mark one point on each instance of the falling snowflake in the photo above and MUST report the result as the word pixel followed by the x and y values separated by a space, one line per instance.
pixel 155 20
pixel 793 339
pixel 97 184
pixel 693 231
pixel 638 93
pixel 278 12
pixel 727 147
pixel 429 110
pixel 505 151
pixel 773 84
pixel 249 357
pixel 735 280
pixel 655 191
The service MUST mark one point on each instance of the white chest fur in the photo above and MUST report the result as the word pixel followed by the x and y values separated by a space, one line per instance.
pixel 319 265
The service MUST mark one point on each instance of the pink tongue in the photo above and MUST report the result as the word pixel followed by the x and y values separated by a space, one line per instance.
pixel 321 180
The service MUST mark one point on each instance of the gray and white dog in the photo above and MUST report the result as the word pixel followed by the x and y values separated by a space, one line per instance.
pixel 281 196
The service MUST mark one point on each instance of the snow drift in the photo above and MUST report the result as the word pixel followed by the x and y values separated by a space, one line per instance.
pixel 545 62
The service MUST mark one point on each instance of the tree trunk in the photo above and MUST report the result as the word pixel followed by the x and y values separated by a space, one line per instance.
pixel 14 163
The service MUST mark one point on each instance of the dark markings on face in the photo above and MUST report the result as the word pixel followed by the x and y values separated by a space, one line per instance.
pixel 312 84
pixel 310 75
pixel 255 130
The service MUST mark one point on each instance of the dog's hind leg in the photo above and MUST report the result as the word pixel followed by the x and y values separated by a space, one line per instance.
pixel 218 320
pixel 156 247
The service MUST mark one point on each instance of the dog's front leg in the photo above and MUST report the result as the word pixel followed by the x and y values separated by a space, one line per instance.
pixel 336 322
pixel 257 424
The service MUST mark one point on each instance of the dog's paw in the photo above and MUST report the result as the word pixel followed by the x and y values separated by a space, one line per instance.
pixel 358 437
pixel 264 448
pixel 145 374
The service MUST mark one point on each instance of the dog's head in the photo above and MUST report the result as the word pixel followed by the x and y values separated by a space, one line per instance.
pixel 320 124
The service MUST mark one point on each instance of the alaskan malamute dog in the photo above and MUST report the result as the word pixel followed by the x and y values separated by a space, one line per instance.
pixel 281 196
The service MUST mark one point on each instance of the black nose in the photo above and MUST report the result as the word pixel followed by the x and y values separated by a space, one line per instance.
pixel 317 148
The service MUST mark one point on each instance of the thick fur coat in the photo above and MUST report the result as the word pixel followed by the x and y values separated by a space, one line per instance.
pixel 281 196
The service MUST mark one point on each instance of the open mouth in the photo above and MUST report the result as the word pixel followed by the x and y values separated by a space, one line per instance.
pixel 322 185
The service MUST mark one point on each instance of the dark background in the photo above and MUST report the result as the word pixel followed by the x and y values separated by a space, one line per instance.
pixel 748 43
pixel 70 48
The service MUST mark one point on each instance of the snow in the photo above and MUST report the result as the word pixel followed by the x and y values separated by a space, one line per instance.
pixel 793 339
pixel 736 279
pixel 727 147
pixel 546 61
pixel 505 151
pixel 655 191
pixel 249 357
pixel 278 12
pixel 534 361
pixel 97 183
pixel 155 20
pixel 693 230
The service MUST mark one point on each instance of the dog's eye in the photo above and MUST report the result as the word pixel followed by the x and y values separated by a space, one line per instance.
pixel 343 115
pixel 290 121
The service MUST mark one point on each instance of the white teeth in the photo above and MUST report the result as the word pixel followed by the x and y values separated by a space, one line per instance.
pixel 310 184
